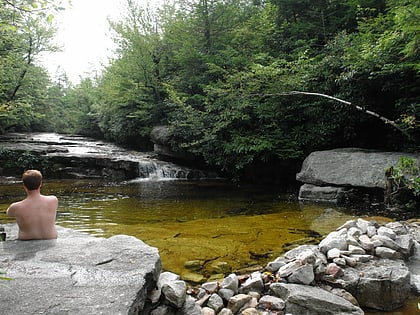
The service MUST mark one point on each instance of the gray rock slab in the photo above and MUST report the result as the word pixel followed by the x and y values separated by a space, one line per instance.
pixel 379 284
pixel 307 300
pixel 349 167
pixel 76 274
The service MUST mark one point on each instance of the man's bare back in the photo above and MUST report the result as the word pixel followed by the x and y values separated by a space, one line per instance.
pixel 35 215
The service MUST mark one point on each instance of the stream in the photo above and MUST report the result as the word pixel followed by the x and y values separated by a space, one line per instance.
pixel 211 222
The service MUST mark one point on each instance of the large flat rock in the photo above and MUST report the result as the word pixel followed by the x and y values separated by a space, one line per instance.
pixel 76 274
pixel 349 167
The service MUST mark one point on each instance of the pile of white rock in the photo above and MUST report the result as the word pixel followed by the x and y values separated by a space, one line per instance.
pixel 361 264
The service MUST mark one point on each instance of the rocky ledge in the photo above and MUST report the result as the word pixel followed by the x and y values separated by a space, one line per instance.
pixel 348 174
pixel 76 274
pixel 361 265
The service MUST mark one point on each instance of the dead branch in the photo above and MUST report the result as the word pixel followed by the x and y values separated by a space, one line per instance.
pixel 360 108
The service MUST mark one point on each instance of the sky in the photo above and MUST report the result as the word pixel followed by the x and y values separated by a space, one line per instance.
pixel 85 38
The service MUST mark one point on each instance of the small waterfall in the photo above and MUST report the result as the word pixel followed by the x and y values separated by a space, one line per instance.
pixel 160 171
pixel 76 150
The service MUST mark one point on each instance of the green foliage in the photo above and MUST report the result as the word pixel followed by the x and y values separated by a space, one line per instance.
pixel 407 174
pixel 20 160
pixel 216 73
pixel 25 31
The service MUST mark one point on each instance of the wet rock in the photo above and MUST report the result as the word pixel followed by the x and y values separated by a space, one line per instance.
pixel 193 277
pixel 193 265
pixel 221 267
pixel 330 194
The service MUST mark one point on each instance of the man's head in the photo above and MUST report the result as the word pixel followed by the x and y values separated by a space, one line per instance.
pixel 32 179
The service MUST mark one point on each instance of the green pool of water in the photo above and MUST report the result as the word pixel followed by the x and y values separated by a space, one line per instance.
pixel 208 222
pixel 189 220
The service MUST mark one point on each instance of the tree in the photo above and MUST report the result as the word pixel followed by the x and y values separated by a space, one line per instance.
pixel 26 31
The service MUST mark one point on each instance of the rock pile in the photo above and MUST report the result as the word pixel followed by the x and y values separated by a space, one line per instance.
pixel 361 264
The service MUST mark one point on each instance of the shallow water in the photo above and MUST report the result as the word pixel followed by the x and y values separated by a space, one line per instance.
pixel 189 220
pixel 206 221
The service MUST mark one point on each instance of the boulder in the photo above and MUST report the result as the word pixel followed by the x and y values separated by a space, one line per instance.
pixel 160 136
pixel 379 284
pixel 349 167
pixel 308 300
pixel 330 175
pixel 77 274
pixel 327 194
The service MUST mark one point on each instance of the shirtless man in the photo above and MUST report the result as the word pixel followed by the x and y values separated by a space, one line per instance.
pixel 35 215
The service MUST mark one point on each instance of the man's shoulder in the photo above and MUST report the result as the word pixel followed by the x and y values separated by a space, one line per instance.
pixel 50 197
pixel 13 207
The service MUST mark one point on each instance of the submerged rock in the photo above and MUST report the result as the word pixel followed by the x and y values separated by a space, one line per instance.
pixel 305 281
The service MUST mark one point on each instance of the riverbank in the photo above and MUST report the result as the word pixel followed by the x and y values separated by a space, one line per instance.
pixel 80 274
pixel 361 264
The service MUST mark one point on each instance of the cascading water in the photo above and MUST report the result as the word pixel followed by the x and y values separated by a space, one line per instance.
pixel 149 168
pixel 159 170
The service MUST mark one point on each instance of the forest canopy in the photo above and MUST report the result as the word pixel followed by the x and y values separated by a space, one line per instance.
pixel 237 82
